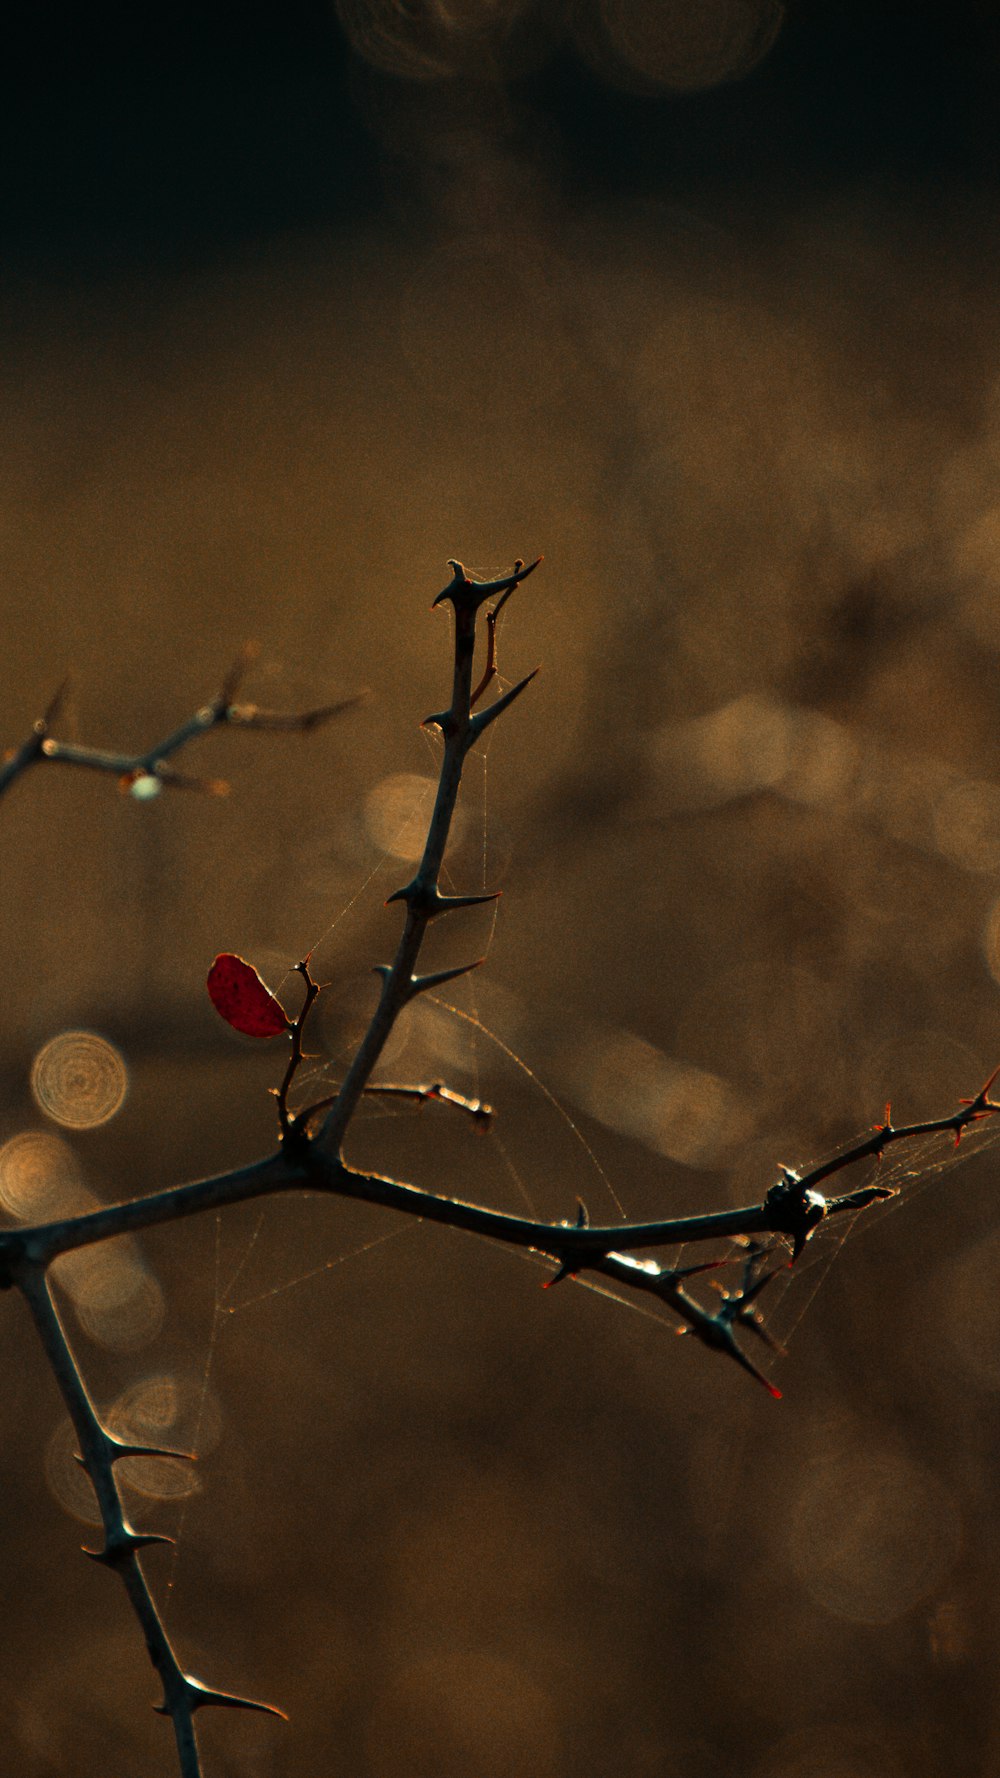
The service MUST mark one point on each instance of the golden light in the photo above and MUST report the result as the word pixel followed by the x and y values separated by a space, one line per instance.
pixel 79 1079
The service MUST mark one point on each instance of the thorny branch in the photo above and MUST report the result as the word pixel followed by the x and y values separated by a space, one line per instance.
pixel 100 1451
pixel 311 1158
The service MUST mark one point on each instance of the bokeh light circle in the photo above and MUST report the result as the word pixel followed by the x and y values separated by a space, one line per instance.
pixel 686 48
pixel 118 1303
pixel 871 1534
pixel 164 1410
pixel 397 812
pixel 79 1079
pixel 40 1178
pixel 67 1480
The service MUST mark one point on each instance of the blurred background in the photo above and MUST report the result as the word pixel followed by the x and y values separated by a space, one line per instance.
pixel 296 303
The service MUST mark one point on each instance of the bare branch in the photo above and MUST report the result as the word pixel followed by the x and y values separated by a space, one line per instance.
pixel 577 1246
pixel 492 618
pixel 481 1113
pixel 287 1123
pixel 970 1111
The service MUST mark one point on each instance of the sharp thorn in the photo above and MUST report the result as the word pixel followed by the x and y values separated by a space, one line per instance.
pixel 565 1271
pixel 117 1448
pixel 748 1365
pixel 706 1265
pixel 55 703
pixel 439 719
pixel 199 1696
pixel 484 717
pixel 122 1450
pixel 118 1548
pixel 431 902
pixel 419 984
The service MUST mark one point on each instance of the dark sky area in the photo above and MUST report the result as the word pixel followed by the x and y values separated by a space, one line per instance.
pixel 138 131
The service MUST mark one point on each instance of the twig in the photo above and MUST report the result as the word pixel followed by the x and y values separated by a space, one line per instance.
pixel 492 618
pixel 290 1125
pixel 480 1113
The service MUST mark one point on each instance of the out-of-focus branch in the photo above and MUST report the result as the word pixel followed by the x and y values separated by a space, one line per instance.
pixel 146 774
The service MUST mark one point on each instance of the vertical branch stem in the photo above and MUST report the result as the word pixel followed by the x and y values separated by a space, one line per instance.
pixel 422 895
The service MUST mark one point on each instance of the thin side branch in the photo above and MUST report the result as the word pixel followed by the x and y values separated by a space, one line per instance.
pixel 492 619
pixel 481 1113
pixel 287 1123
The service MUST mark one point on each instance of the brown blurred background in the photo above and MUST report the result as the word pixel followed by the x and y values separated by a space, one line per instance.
pixel 701 302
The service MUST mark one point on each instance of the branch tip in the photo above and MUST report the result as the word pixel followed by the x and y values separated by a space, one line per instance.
pixel 236 675
pixel 54 706
pixel 474 593
pixel 481 1114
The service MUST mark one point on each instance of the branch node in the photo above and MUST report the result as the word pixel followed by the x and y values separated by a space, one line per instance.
pixel 426 898
pixel 122 1543
pixel 794 1209
pixel 201 1696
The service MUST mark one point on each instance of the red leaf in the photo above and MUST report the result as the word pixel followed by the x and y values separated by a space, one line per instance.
pixel 238 994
